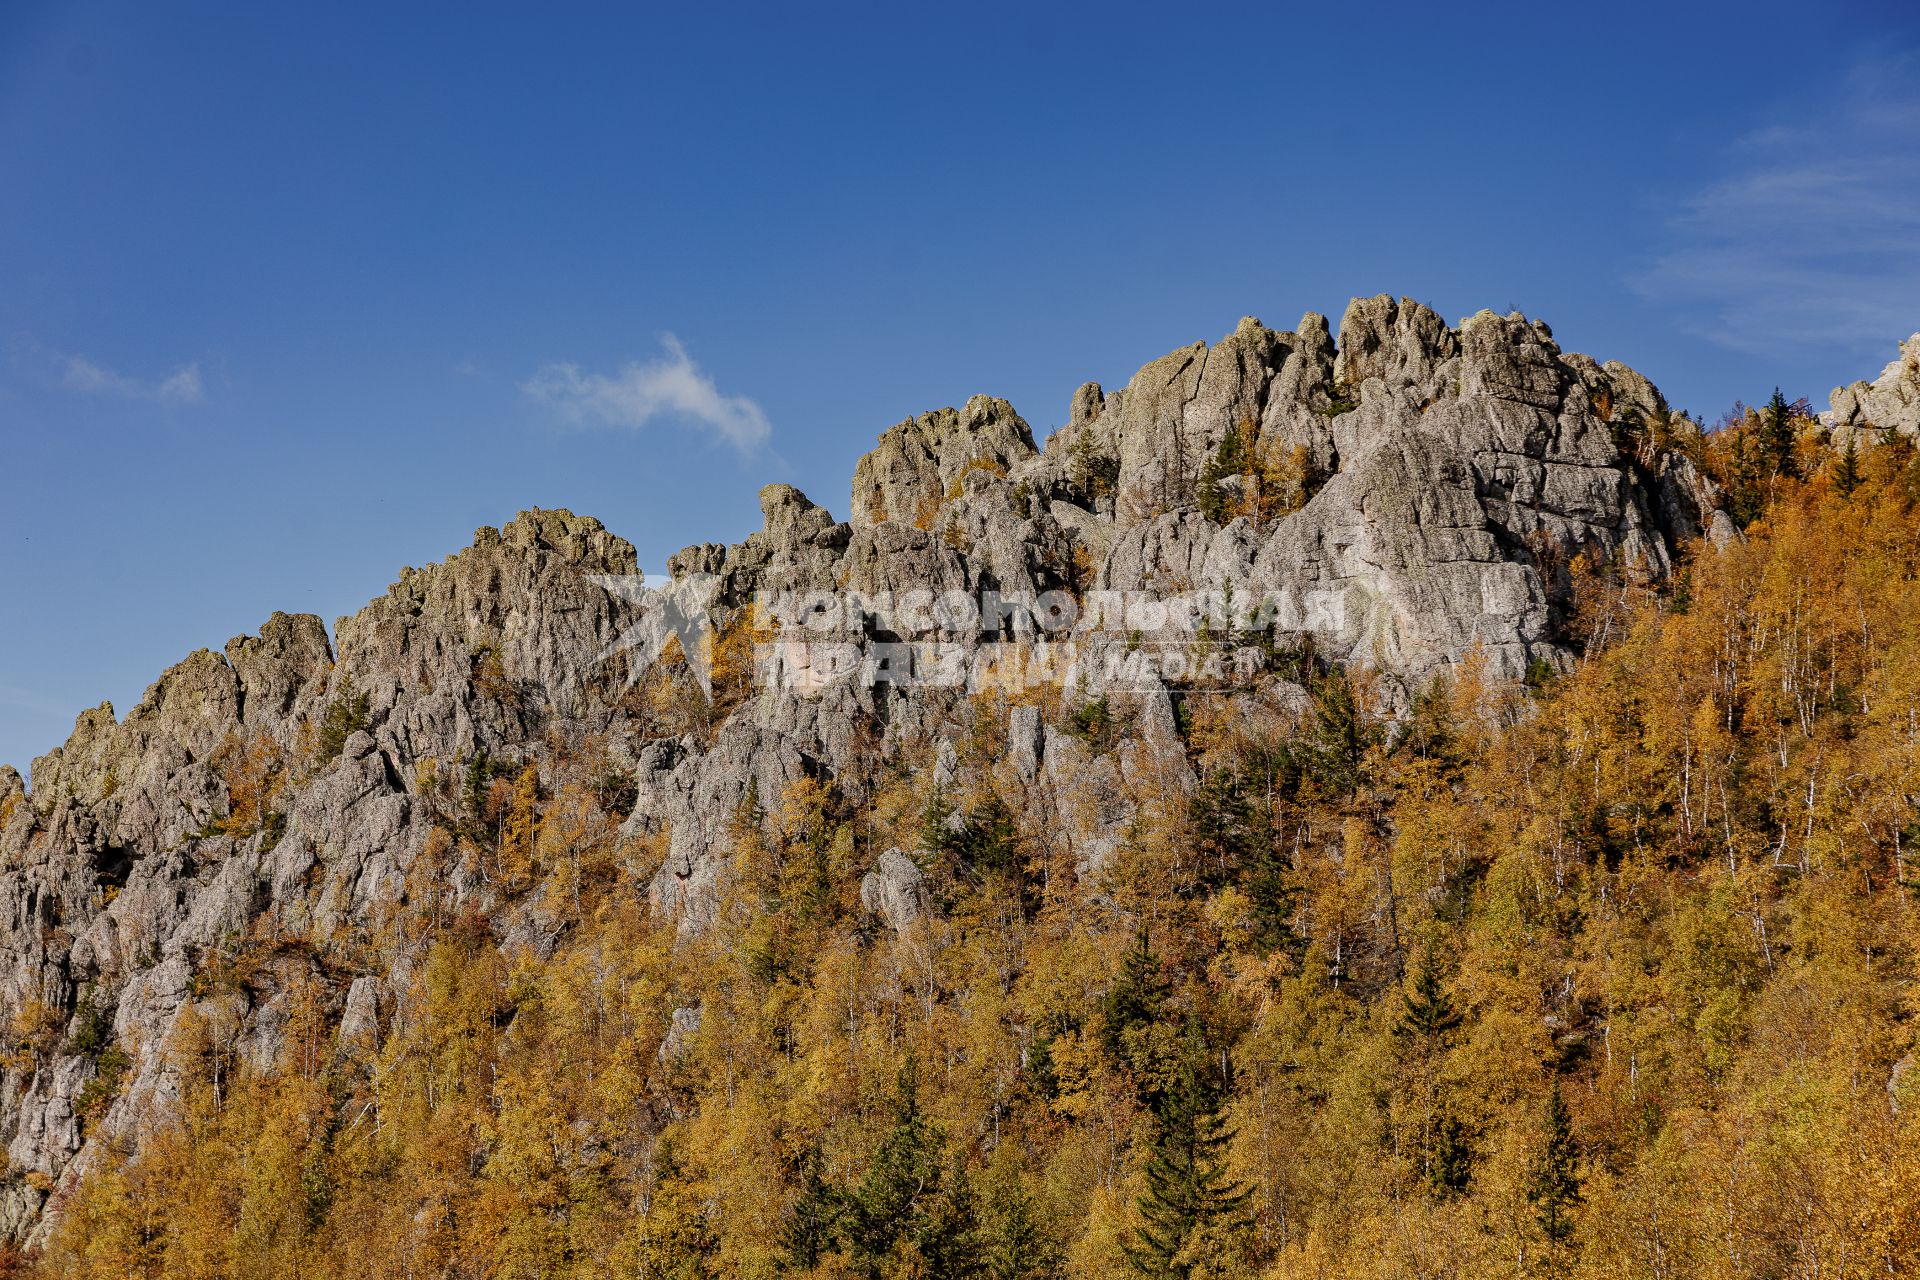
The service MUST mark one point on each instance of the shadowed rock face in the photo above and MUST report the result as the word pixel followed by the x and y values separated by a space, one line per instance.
pixel 1455 472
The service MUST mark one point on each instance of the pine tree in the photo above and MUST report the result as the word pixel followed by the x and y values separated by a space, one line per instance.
pixel 1846 472
pixel 1040 1069
pixel 1450 1161
pixel 1232 459
pixel 1430 732
pixel 901 1181
pixel 1339 735
pixel 1093 722
pixel 947 1231
pixel 1777 436
pixel 1223 824
pixel 1272 881
pixel 1427 1014
pixel 1018 1249
pixel 473 787
pixel 989 841
pixel 1135 1028
pixel 815 1225
pixel 345 716
pixel 1554 1185
pixel 1137 999
pixel 1275 897
pixel 936 833
pixel 1191 1206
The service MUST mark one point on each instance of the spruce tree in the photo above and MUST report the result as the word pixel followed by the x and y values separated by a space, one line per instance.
pixel 1275 893
pixel 1427 1013
pixel 1040 1070
pixel 946 1231
pixel 815 1225
pixel 1271 878
pixel 989 841
pixel 1338 735
pixel 1018 1249
pixel 1744 494
pixel 1224 824
pixel 1136 1002
pixel 344 716
pixel 1450 1160
pixel 1846 472
pixel 936 836
pixel 1777 436
pixel 1554 1185
pixel 473 790
pixel 901 1182
pixel 1233 458
pixel 1191 1205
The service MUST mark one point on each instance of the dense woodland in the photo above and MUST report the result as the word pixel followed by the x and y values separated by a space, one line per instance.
pixel 1605 973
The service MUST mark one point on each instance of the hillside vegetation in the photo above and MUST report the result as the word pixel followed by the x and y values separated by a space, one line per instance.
pixel 1607 974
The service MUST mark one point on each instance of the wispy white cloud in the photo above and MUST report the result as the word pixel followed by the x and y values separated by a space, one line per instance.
pixel 671 387
pixel 182 386
pixel 1810 236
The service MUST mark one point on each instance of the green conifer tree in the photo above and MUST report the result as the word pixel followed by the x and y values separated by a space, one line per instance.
pixel 1018 1249
pixel 1554 1184
pixel 946 1232
pixel 1745 497
pixel 814 1228
pixel 1450 1162
pixel 1427 1013
pixel 1846 472
pixel 989 840
pixel 1191 1206
pixel 1232 458
pixel 473 788
pixel 1137 999
pixel 901 1182
pixel 1338 735
pixel 1224 825
pixel 1777 437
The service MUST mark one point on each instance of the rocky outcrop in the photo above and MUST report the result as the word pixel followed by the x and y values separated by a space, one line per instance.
pixel 292 785
pixel 1891 402
pixel 1458 469
pixel 146 853
pixel 682 1026
pixel 895 890
pixel 915 465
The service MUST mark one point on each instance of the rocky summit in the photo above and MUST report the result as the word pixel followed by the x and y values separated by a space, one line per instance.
pixel 1415 494
pixel 1891 402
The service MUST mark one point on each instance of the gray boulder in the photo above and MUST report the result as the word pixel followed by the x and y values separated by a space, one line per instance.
pixel 1891 402
pixel 895 890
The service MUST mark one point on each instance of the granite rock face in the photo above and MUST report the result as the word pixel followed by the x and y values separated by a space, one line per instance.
pixel 1460 470
pixel 1891 402
pixel 909 473
pixel 1445 477
pixel 895 890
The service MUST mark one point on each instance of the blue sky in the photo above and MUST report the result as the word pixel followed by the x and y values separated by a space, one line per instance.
pixel 290 299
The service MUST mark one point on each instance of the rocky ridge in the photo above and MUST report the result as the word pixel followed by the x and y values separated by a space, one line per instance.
pixel 1439 484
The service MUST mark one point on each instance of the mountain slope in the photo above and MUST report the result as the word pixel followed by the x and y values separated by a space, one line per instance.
pixel 471 943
